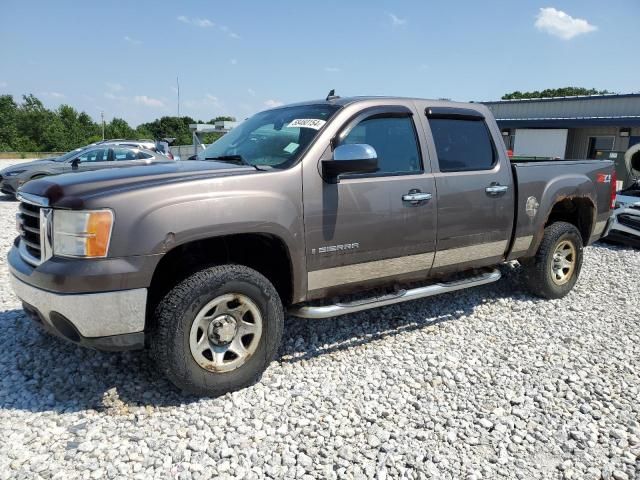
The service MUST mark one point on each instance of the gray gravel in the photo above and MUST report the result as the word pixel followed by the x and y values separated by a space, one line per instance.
pixel 487 383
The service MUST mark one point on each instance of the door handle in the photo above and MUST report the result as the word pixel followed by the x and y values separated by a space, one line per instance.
pixel 415 197
pixel 495 190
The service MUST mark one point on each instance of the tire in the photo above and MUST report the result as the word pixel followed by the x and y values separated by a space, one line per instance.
pixel 186 354
pixel 540 277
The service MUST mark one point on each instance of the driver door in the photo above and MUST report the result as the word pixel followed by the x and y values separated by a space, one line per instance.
pixel 364 231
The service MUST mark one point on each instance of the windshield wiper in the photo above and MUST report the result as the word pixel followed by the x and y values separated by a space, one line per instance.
pixel 234 159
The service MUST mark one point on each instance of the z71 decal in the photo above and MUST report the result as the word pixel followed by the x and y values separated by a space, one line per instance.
pixel 604 178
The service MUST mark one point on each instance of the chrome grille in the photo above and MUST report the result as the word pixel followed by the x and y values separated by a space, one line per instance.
pixel 32 220
pixel 29 225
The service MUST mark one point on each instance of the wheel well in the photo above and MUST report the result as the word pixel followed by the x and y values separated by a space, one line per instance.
pixel 577 211
pixel 264 253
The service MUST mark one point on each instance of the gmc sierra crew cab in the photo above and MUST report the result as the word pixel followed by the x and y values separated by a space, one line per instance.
pixel 316 209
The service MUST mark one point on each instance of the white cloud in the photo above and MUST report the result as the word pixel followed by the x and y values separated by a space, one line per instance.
pixel 273 103
pixel 203 22
pixel 211 98
pixel 251 92
pixel 132 41
pixel 114 87
pixel 198 22
pixel 233 61
pixel 560 24
pixel 331 69
pixel 148 101
pixel 3 84
pixel 397 21
pixel 229 32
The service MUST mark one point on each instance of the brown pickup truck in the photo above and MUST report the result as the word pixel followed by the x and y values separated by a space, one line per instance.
pixel 317 209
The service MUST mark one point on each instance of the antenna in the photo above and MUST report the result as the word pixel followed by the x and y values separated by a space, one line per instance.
pixel 178 84
pixel 332 95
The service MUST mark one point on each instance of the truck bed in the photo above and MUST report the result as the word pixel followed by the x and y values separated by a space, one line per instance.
pixel 543 183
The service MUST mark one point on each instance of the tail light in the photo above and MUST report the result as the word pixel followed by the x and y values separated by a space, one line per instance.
pixel 614 187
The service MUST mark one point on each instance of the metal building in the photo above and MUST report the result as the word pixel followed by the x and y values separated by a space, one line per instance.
pixel 570 127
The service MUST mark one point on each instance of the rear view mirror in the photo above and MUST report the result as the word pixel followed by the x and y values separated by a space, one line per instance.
pixel 353 158
pixel 75 162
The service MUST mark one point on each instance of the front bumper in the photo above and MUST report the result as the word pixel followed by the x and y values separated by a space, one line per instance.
pixel 106 321
pixel 624 226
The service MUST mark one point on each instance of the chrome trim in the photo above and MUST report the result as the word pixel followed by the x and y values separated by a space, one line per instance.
pixel 93 314
pixel 363 271
pixel 416 197
pixel 46 221
pixel 309 311
pixel 36 200
pixel 496 189
pixel 470 253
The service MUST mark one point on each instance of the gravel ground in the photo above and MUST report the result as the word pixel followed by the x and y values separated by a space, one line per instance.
pixel 487 383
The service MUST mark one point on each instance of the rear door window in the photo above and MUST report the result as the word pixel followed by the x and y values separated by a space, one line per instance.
pixel 124 154
pixel 462 145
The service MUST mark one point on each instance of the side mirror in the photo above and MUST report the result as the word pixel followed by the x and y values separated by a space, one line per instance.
pixel 74 163
pixel 354 158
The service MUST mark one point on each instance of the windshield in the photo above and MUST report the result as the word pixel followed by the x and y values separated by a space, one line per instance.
pixel 274 138
pixel 70 155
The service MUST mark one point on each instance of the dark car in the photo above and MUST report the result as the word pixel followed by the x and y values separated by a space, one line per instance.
pixel 93 157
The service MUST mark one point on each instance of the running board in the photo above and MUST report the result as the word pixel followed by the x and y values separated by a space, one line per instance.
pixel 326 311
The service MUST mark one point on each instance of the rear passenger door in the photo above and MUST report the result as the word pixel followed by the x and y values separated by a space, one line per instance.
pixel 474 190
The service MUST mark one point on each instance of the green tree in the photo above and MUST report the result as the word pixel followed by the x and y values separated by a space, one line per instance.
pixel 8 123
pixel 119 128
pixel 554 92
pixel 170 127
pixel 225 118
pixel 32 121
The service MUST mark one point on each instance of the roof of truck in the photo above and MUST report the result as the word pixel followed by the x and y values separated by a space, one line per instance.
pixel 342 101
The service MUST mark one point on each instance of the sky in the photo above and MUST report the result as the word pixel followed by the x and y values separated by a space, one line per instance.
pixel 240 57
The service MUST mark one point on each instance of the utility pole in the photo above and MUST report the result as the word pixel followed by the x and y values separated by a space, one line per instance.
pixel 102 117
pixel 178 85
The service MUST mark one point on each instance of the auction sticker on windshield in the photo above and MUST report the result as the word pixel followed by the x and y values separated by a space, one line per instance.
pixel 314 123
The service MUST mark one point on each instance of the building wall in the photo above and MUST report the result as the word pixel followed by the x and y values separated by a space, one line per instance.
pixel 578 139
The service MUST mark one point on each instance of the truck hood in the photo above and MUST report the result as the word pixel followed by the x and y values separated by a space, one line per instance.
pixel 71 189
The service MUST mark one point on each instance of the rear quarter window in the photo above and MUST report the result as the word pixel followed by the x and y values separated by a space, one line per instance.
pixel 462 145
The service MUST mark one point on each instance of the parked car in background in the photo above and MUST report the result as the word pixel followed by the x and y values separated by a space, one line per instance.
pixel 95 157
pixel 625 222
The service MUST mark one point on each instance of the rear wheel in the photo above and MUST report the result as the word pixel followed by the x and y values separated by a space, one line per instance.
pixel 554 270
pixel 217 330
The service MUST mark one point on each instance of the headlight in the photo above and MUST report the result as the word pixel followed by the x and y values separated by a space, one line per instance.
pixel 82 233
pixel 14 173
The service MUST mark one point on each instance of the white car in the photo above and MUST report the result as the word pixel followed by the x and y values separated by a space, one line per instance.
pixel 625 222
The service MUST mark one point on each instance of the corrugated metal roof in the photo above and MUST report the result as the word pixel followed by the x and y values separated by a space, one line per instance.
pixel 584 108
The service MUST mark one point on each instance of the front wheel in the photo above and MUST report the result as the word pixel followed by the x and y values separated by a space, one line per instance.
pixel 554 270
pixel 217 330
